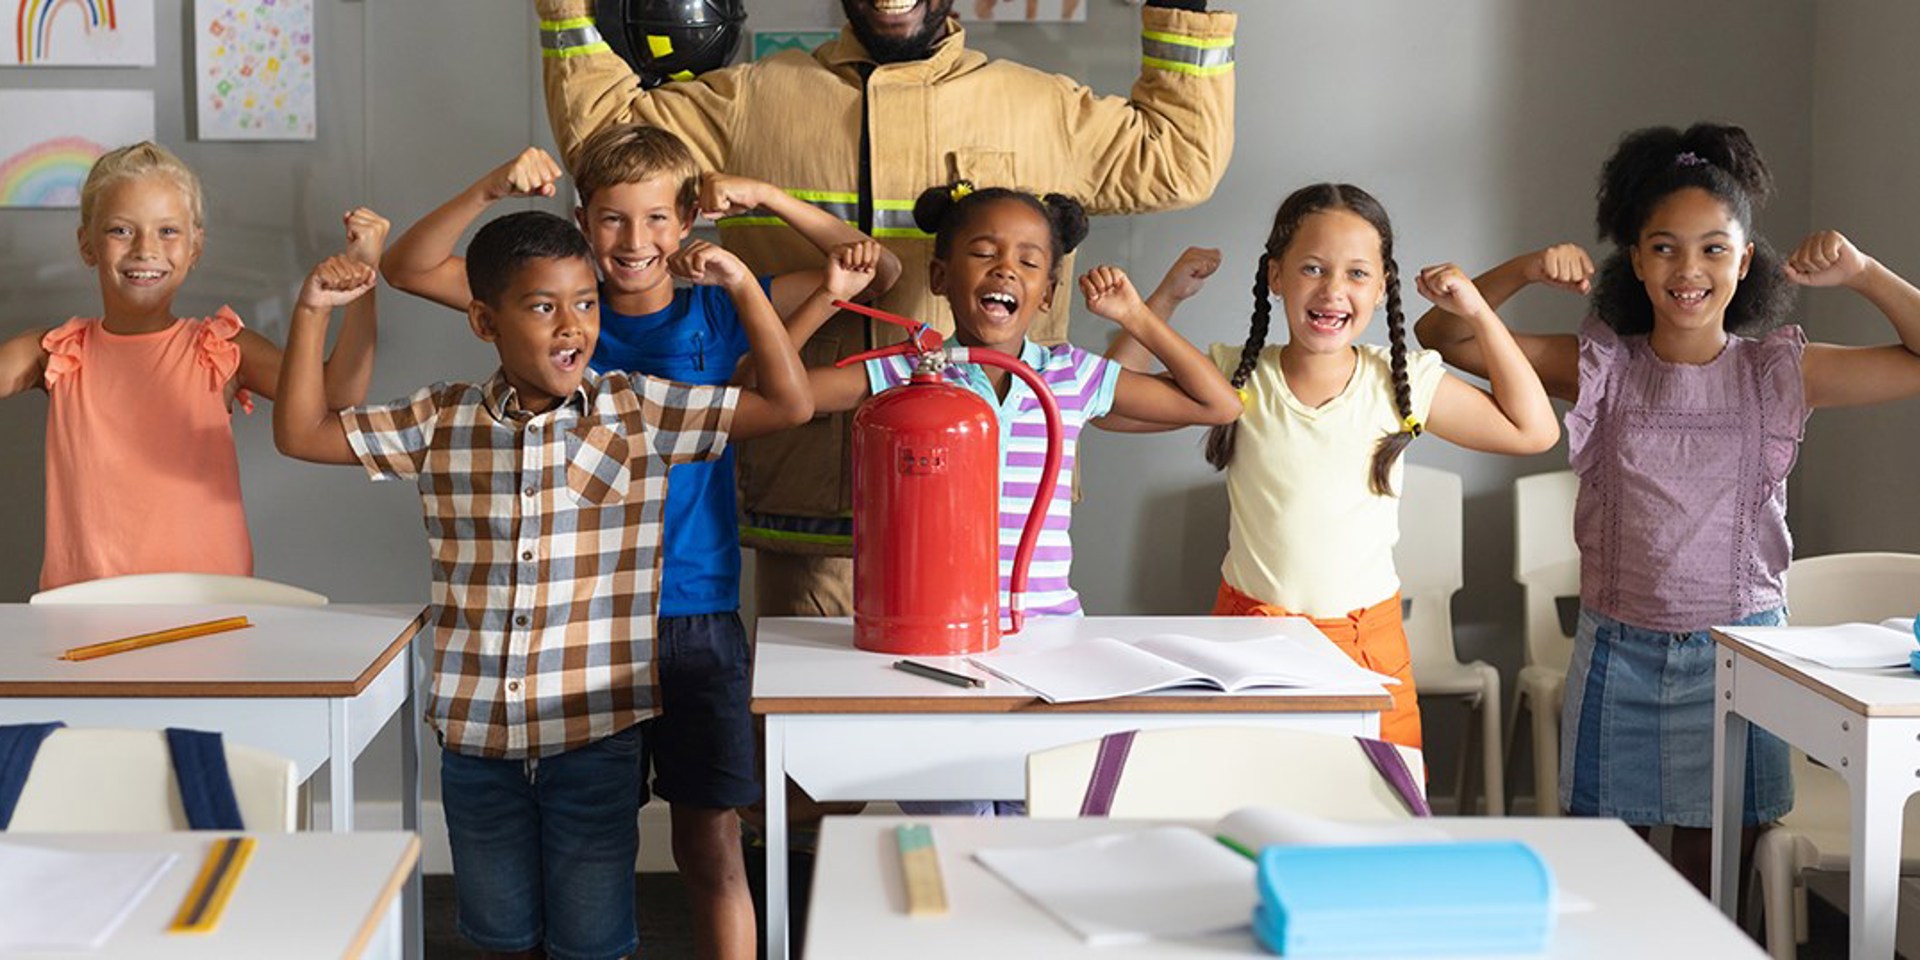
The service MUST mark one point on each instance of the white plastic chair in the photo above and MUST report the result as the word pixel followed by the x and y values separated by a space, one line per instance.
pixel 121 781
pixel 1547 565
pixel 1428 559
pixel 1816 835
pixel 1208 772
pixel 181 588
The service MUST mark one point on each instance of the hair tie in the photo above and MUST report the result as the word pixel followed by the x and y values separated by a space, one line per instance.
pixel 959 190
pixel 1412 425
pixel 1245 395
pixel 1690 159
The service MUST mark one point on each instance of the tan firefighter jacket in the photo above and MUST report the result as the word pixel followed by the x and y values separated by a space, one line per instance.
pixel 795 120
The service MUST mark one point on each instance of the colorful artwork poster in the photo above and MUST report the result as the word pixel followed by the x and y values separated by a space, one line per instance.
pixel 766 43
pixel 76 33
pixel 52 137
pixel 253 69
pixel 1021 11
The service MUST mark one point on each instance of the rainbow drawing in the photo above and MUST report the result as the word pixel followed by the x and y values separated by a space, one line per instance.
pixel 33 24
pixel 48 173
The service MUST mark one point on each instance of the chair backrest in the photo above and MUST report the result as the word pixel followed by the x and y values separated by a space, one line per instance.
pixel 121 781
pixel 1546 561
pixel 1428 559
pixel 1848 587
pixel 1208 772
pixel 181 588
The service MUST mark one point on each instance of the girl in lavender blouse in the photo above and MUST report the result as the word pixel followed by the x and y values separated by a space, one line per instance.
pixel 1689 400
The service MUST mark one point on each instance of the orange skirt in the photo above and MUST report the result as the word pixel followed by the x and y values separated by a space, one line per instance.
pixel 1375 638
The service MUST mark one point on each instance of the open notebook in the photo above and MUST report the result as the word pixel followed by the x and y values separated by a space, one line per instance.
pixel 1296 655
pixel 70 900
pixel 1845 646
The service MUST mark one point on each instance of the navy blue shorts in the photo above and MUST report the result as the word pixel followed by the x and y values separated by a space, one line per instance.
pixel 700 747
pixel 543 850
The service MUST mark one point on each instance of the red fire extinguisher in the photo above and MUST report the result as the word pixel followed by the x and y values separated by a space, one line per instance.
pixel 926 504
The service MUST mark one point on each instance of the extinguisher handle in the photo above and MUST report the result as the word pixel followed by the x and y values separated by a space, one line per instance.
pixel 924 337
pixel 865 355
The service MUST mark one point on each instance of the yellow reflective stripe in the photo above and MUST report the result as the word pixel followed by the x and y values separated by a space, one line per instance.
pixel 1179 39
pixel 681 75
pixel 908 233
pixel 591 48
pixel 573 23
pixel 824 196
pixel 659 46
pixel 1174 66
pixel 830 538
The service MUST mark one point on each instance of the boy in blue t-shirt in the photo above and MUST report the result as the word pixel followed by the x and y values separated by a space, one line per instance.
pixel 639 193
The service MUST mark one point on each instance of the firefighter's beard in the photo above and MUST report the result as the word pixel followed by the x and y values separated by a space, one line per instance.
pixel 893 49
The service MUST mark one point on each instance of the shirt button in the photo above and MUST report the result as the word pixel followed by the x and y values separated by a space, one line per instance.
pixel 513 685
pixel 520 621
pixel 531 491
pixel 526 555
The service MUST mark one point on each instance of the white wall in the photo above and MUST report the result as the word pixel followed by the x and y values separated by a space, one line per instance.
pixel 1479 123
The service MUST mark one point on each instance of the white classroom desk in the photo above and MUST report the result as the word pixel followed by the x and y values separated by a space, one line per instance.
pixel 845 725
pixel 1641 907
pixel 1863 725
pixel 301 895
pixel 312 684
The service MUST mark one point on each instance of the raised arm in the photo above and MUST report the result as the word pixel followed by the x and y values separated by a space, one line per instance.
pixel 1185 278
pixel 724 195
pixel 422 261
pixel 1516 417
pixel 1838 376
pixel 589 86
pixel 1167 143
pixel 1555 357
pixel 779 398
pixel 303 425
pixel 350 366
pixel 1192 391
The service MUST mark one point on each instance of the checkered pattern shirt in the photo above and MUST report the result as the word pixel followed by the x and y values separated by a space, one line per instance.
pixel 544 531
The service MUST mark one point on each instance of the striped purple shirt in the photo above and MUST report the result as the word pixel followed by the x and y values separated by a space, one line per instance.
pixel 1083 385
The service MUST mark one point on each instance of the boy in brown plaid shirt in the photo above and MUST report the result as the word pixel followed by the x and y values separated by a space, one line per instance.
pixel 543 491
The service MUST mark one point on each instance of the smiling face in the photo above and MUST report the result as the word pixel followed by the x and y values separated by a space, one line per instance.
pixel 143 242
pixel 1329 278
pixel 997 274
pixel 544 325
pixel 1691 256
pixel 897 30
pixel 633 227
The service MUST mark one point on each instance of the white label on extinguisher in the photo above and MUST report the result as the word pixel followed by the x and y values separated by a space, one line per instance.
pixel 923 460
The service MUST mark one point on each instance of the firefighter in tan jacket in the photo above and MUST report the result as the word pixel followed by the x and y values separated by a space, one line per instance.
pixel 861 134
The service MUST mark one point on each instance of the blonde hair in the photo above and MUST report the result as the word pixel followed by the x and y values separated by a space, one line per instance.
pixel 630 153
pixel 143 159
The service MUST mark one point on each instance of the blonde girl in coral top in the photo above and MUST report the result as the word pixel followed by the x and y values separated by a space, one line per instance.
pixel 142 475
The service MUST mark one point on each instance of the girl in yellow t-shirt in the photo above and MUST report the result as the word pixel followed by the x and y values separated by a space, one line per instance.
pixel 1312 463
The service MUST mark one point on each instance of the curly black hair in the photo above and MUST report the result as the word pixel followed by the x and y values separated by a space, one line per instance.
pixel 1649 165
pixel 938 212
pixel 1294 210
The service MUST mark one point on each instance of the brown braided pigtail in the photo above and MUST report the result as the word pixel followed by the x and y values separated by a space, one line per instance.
pixel 1393 443
pixel 1220 438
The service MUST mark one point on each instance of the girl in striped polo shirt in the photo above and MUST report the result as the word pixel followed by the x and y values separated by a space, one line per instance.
pixel 996 260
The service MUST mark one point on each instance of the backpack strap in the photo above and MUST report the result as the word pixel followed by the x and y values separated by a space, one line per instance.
pixel 1108 763
pixel 1387 760
pixel 19 744
pixel 206 788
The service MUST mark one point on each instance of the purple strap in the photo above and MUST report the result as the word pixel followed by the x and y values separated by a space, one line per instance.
pixel 1107 765
pixel 1393 766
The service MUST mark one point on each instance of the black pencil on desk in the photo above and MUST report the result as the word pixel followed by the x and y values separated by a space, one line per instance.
pixel 935 673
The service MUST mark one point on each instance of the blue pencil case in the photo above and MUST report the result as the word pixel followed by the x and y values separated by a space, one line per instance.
pixel 1406 899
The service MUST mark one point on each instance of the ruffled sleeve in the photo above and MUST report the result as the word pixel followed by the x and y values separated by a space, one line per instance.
pixel 1783 389
pixel 220 356
pixel 1600 352
pixel 64 345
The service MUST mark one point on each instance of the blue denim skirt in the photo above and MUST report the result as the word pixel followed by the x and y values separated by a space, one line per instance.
pixel 1636 731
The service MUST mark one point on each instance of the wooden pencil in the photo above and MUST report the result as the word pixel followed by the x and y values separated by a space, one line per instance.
pixel 157 637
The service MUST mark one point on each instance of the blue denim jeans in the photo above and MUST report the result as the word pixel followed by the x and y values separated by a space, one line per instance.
pixel 543 850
